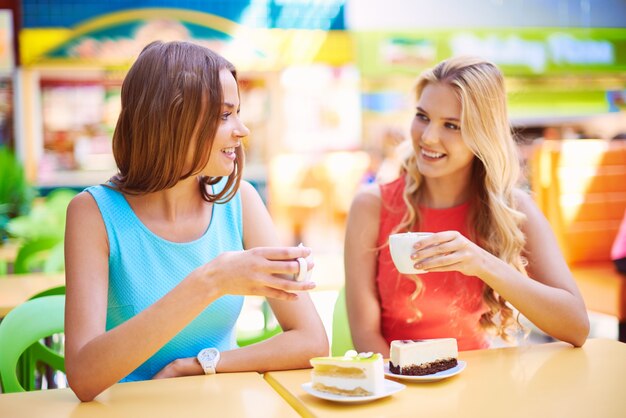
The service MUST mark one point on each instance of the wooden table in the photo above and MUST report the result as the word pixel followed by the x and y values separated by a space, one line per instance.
pixel 18 288
pixel 549 380
pixel 222 395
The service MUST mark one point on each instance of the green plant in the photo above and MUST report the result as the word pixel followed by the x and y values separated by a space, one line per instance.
pixel 45 220
pixel 16 195
pixel 41 234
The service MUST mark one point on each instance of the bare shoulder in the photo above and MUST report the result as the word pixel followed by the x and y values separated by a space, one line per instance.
pixel 84 218
pixel 364 216
pixel 246 187
pixel 83 204
pixel 368 197
pixel 252 204
pixel 521 197
pixel 248 192
pixel 535 223
pixel 524 203
pixel 258 227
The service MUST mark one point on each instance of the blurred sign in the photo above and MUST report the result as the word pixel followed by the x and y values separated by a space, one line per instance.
pixel 115 40
pixel 403 51
pixel 282 14
pixel 556 49
pixel 521 51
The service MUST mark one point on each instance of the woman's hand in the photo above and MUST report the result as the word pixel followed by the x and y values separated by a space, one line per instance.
pixel 450 251
pixel 188 366
pixel 261 271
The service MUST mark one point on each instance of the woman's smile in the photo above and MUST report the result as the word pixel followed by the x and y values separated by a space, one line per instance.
pixel 429 155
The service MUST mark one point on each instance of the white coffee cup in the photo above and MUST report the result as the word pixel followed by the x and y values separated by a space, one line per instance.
pixel 303 275
pixel 401 248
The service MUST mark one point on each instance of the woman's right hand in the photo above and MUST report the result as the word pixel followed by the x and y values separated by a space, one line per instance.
pixel 261 271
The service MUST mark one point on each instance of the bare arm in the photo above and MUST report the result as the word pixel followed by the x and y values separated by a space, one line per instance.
pixel 95 359
pixel 550 299
pixel 554 303
pixel 362 299
pixel 303 335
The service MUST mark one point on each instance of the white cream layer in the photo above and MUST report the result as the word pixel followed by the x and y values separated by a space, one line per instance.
pixel 374 380
pixel 407 353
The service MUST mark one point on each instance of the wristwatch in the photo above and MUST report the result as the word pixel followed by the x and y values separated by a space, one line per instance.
pixel 208 359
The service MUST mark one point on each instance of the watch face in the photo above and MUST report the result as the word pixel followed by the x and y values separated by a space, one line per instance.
pixel 208 359
pixel 208 354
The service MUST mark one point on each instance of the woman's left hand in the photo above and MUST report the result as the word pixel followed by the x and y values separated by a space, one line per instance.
pixel 450 251
pixel 188 366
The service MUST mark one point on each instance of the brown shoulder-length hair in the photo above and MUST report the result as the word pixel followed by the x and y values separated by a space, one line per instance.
pixel 171 101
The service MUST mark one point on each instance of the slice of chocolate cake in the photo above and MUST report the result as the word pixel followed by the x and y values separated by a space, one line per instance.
pixel 423 357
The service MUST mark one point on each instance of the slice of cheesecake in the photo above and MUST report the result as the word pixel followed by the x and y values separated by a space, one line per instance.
pixel 353 374
pixel 423 357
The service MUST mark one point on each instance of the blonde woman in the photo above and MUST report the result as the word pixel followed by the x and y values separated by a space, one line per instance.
pixel 491 245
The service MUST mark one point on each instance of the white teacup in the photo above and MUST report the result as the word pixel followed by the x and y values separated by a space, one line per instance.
pixel 303 274
pixel 401 248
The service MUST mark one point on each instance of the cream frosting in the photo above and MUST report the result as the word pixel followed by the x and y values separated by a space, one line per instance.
pixel 405 353
pixel 352 374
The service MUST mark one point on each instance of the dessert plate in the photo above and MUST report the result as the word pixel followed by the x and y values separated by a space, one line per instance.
pixel 429 377
pixel 391 387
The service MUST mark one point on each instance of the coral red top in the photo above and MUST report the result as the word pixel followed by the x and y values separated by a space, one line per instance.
pixel 450 303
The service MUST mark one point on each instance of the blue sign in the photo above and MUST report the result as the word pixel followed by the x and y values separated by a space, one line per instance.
pixel 284 14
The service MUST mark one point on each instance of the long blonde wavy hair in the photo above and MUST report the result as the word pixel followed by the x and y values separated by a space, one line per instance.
pixel 494 222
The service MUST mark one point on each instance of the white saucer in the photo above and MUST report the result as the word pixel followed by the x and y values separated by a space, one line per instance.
pixel 429 377
pixel 391 387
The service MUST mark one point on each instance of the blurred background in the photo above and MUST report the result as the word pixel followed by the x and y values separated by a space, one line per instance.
pixel 325 89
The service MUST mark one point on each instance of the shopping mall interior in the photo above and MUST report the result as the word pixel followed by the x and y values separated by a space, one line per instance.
pixel 326 91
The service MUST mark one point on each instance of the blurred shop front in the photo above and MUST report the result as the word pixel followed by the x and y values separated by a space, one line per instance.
pixel 564 61
pixel 326 85
pixel 570 79
pixel 299 91
pixel 562 83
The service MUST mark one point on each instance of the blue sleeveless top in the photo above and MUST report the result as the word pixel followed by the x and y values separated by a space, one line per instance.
pixel 143 267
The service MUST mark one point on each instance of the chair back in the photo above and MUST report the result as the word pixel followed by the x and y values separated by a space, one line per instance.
pixel 580 185
pixel 270 328
pixel 341 338
pixel 57 290
pixel 22 331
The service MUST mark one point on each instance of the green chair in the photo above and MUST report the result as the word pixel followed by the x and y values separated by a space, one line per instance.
pixel 341 338
pixel 245 338
pixel 22 331
pixel 40 254
pixel 58 290
pixel 25 366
